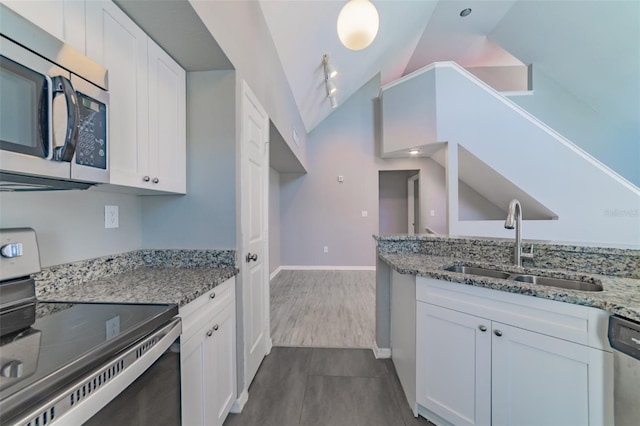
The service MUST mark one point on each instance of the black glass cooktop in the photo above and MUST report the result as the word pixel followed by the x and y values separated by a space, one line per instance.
pixel 67 340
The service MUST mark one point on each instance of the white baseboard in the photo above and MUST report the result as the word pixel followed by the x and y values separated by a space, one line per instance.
pixel 269 345
pixel 240 402
pixel 325 268
pixel 381 353
pixel 274 273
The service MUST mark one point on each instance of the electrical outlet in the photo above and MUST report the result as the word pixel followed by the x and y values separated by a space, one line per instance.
pixel 326 249
pixel 111 217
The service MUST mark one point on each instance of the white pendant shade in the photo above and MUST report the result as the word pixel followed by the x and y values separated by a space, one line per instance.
pixel 358 24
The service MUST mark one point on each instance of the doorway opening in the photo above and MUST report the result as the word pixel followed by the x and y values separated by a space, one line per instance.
pixel 399 202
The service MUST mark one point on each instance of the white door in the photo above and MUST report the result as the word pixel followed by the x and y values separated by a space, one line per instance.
pixel 253 210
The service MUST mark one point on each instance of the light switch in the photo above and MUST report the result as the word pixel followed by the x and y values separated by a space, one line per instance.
pixel 340 178
pixel 365 213
pixel 433 213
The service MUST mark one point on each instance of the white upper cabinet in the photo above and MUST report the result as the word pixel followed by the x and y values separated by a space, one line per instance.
pixel 116 42
pixel 167 121
pixel 147 110
pixel 64 19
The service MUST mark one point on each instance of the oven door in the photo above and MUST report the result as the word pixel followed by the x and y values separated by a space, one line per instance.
pixel 153 399
pixel 135 387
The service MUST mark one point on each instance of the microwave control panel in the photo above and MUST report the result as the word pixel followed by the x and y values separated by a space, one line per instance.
pixel 91 148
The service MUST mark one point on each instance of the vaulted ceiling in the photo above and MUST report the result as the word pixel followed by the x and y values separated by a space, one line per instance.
pixel 590 48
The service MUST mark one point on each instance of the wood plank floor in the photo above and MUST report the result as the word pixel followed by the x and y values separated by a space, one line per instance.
pixel 325 387
pixel 330 309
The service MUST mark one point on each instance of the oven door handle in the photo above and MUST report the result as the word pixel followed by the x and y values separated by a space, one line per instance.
pixel 65 152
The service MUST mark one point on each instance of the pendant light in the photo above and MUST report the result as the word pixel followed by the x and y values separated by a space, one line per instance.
pixel 358 23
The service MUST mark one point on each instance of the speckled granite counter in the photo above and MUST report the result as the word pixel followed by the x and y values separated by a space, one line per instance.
pixel 620 295
pixel 146 285
pixel 140 276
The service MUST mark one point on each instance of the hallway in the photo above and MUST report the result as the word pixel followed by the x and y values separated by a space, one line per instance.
pixel 328 309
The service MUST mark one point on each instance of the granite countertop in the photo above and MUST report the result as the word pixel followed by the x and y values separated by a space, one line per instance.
pixel 146 285
pixel 620 296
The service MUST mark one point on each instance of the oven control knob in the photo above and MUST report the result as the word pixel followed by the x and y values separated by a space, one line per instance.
pixel 12 369
pixel 11 250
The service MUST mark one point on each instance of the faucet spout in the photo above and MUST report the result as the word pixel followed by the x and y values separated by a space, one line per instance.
pixel 514 220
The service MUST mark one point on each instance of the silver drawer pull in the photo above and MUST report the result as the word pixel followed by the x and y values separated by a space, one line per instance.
pixel 212 295
pixel 497 333
pixel 209 333
pixel 482 328
pixel 215 327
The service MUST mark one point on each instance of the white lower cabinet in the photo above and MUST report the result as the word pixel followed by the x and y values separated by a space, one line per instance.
pixel 207 353
pixel 503 359
pixel 453 367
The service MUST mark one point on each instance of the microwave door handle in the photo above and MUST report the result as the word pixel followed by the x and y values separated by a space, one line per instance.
pixel 46 117
pixel 65 152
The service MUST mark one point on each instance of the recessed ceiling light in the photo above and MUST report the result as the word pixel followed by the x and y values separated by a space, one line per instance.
pixel 465 12
pixel 414 152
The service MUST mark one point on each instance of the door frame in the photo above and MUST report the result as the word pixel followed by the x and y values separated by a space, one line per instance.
pixel 413 222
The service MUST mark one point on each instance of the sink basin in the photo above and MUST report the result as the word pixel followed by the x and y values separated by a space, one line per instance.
pixel 478 271
pixel 527 278
pixel 559 282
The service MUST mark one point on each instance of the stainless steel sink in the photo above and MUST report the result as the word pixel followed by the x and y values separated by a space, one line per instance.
pixel 559 282
pixel 479 271
pixel 527 278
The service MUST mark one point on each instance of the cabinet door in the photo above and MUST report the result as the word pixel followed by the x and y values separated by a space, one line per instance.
pixel 541 380
pixel 208 371
pixel 47 14
pixel 193 355
pixel 167 121
pixel 453 365
pixel 117 43
pixel 221 391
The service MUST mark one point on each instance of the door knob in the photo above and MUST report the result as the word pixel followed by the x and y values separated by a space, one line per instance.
pixel 251 257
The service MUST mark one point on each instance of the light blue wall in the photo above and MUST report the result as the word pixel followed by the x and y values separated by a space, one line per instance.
pixel 206 216
pixel 614 143
pixel 316 210
pixel 70 224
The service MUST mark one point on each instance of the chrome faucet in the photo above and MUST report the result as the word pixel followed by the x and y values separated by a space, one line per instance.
pixel 514 219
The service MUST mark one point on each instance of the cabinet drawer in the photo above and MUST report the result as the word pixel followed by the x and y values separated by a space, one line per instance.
pixel 206 306
pixel 575 323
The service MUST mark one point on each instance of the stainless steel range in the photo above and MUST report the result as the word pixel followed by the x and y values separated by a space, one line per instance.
pixel 64 362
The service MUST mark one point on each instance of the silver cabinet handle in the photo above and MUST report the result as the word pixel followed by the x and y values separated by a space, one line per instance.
pixel 209 333
pixel 497 333
pixel 482 328
pixel 251 257
pixel 156 180
pixel 212 295
pixel 146 178
pixel 215 327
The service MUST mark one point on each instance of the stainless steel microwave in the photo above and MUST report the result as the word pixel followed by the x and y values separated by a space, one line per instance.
pixel 54 109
